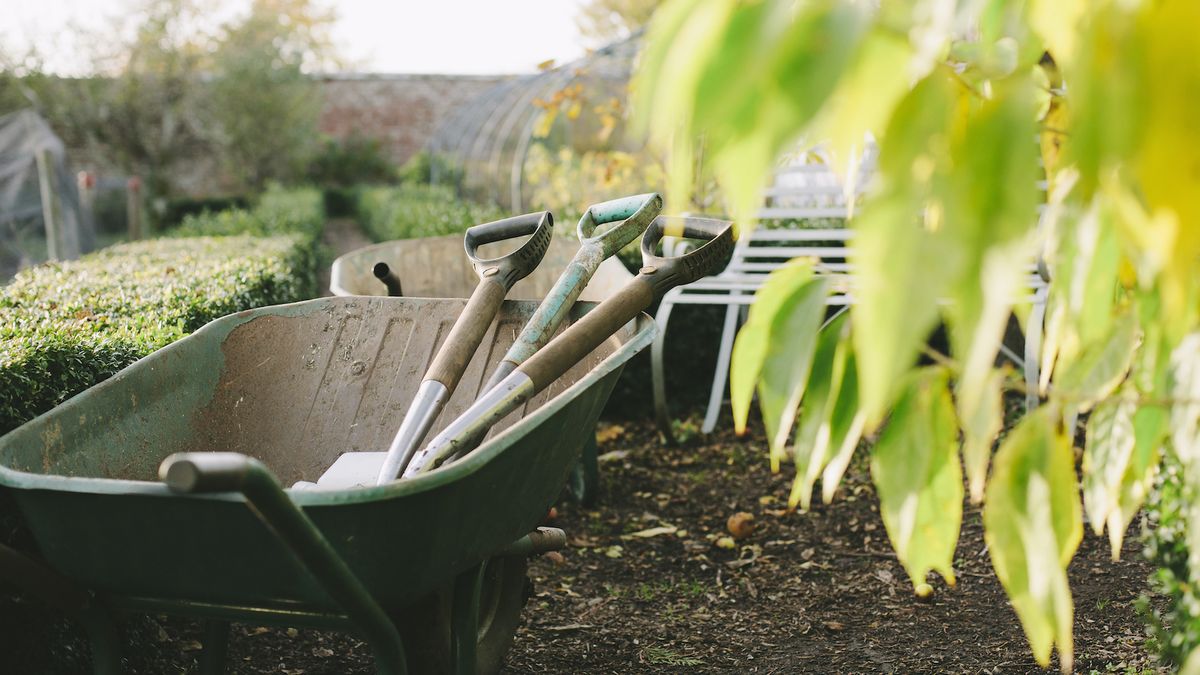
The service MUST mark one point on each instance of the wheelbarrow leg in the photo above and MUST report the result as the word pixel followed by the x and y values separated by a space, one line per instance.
pixel 216 647
pixel 209 472
pixel 585 475
pixel 464 622
pixel 104 638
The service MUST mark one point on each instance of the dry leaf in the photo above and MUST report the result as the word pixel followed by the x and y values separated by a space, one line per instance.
pixel 740 524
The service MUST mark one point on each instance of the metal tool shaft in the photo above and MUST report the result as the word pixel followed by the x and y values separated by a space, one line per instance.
pixel 426 405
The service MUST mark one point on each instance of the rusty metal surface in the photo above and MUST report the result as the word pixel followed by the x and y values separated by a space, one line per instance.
pixel 435 267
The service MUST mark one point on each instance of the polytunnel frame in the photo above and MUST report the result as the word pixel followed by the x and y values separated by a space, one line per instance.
pixel 477 137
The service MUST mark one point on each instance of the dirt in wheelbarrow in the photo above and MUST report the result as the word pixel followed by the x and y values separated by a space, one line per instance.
pixel 647 585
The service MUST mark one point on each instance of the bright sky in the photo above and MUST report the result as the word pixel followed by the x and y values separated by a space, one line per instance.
pixel 387 36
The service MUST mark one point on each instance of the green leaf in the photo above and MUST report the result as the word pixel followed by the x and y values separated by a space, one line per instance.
pixel 1106 457
pixel 900 278
pixel 915 469
pixel 1101 365
pixel 1032 526
pixel 846 428
pixel 900 263
pixel 990 195
pixel 982 421
pixel 863 102
pixel 785 369
pixel 810 448
pixel 750 348
pixel 1185 412
pixel 1082 297
pixel 1149 431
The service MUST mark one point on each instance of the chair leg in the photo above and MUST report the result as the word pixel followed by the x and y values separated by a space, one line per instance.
pixel 1033 348
pixel 721 375
pixel 216 647
pixel 658 381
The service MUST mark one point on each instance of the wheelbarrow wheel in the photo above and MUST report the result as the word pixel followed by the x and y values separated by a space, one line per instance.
pixel 427 628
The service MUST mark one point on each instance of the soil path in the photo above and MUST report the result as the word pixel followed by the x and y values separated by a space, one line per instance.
pixel 644 587
pixel 340 236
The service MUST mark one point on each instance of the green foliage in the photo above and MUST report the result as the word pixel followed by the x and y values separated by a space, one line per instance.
pixel 162 91
pixel 961 102
pixel 279 211
pixel 1033 525
pixel 178 209
pixel 67 326
pixel 915 469
pixel 354 160
pixel 1174 629
pixel 412 211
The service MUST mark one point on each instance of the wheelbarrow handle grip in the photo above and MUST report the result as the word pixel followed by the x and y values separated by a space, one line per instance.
pixel 203 472
pixel 666 273
pixel 637 212
pixel 511 268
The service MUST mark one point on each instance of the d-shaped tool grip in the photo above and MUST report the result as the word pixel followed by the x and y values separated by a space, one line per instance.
pixel 637 212
pixel 667 273
pixel 511 268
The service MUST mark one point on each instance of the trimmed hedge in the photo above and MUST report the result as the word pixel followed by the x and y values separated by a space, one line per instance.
pixel 67 326
pixel 278 211
pixel 412 211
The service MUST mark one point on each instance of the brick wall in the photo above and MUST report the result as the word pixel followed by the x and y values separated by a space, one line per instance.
pixel 402 111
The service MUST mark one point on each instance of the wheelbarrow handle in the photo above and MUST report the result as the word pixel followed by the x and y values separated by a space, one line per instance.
pixel 390 279
pixel 636 212
pixel 511 268
pixel 205 472
pixel 657 276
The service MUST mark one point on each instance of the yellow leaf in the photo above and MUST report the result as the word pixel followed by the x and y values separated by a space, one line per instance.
pixel 545 123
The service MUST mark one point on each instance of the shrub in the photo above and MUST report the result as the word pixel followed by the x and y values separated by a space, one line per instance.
pixel 278 211
pixel 1175 626
pixel 411 211
pixel 178 209
pixel 350 161
pixel 66 326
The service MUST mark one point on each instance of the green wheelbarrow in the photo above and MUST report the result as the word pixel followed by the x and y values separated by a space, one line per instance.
pixel 430 570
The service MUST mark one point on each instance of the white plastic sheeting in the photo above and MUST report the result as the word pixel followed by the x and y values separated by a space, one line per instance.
pixel 23 135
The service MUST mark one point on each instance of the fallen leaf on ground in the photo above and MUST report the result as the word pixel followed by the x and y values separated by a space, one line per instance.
pixel 609 432
pixel 652 532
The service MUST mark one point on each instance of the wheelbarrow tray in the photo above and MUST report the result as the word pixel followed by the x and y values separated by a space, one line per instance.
pixel 294 386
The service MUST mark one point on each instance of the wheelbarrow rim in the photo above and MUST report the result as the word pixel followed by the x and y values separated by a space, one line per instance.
pixel 14 478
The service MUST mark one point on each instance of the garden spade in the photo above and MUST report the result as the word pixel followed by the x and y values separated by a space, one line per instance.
pixel 496 278
pixel 657 276
pixel 635 214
